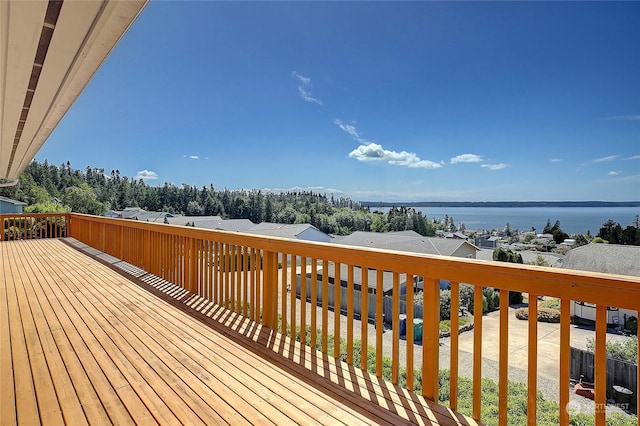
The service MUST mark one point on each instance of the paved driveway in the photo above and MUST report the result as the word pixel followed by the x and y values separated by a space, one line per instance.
pixel 548 342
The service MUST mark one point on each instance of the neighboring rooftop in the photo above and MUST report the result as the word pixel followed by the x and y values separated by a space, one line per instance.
pixel 409 241
pixel 304 231
pixel 10 201
pixel 607 258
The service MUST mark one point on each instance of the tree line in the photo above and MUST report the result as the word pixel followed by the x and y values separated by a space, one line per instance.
pixel 49 188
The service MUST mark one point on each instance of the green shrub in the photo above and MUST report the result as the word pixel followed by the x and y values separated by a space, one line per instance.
pixel 548 315
pixel 631 324
pixel 625 349
pixel 493 298
pixel 522 313
pixel 466 297
pixel 544 314
pixel 445 305
pixel 515 298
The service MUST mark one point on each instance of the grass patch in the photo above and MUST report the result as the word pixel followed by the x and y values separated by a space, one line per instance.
pixel 552 303
pixel 445 325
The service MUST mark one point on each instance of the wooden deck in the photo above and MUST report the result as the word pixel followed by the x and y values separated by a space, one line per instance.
pixel 86 338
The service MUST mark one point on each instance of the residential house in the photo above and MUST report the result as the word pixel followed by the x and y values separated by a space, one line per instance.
pixel 358 292
pixel 7 205
pixel 302 231
pixel 409 241
pixel 606 258
pixel 197 221
pixel 456 235
pixel 413 242
pixel 487 241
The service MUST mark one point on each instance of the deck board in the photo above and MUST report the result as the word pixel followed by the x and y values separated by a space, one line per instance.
pixel 84 343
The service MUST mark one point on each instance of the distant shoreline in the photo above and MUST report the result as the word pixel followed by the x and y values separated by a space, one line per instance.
pixel 502 204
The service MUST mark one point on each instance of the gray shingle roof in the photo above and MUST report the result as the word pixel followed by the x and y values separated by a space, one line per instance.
pixel 607 258
pixel 404 242
pixel 183 220
pixel 280 229
pixel 10 201
pixel 231 225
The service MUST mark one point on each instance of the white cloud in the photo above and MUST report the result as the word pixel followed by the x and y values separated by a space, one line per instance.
pixel 633 157
pixel 307 96
pixel 146 175
pixel 632 117
pixel 350 129
pixel 304 80
pixel 605 159
pixel 499 166
pixel 371 151
pixel 193 157
pixel 375 152
pixel 613 173
pixel 305 83
pixel 467 158
pixel 555 160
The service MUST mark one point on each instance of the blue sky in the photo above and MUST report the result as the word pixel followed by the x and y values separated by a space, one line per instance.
pixel 392 101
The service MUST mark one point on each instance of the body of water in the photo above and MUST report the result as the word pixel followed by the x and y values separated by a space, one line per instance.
pixel 573 220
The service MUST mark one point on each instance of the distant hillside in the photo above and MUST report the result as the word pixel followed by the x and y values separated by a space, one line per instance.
pixel 503 204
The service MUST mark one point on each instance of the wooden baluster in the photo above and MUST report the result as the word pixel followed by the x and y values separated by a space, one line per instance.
pixel 379 321
pixel 565 359
pixel 532 369
pixel 503 365
pixel 453 357
pixel 314 302
pixel 350 295
pixel 337 309
pixel 600 365
pixel 325 305
pixel 410 340
pixel 395 328
pixel 364 319
pixel 477 351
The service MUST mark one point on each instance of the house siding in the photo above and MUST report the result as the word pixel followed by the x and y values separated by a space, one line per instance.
pixel 12 206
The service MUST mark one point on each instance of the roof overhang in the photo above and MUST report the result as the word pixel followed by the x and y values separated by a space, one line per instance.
pixel 49 50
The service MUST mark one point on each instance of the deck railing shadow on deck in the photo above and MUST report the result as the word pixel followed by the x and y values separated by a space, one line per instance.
pixel 288 354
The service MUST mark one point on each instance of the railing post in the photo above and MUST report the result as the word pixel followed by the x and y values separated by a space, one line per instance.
pixel 270 296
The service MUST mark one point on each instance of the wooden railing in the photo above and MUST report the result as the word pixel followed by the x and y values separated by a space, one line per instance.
pixel 33 226
pixel 256 276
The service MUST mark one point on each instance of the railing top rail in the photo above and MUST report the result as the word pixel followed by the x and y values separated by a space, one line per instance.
pixel 613 290
pixel 23 215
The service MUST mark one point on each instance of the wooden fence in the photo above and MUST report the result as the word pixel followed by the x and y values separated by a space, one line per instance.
pixel 620 373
